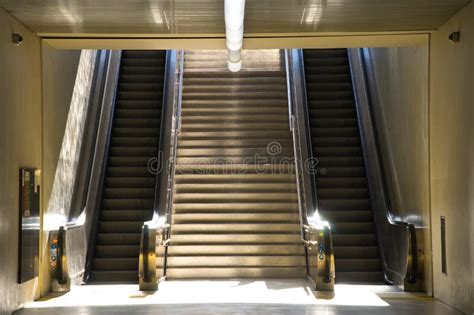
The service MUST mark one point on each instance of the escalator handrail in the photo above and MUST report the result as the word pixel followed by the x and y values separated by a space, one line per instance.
pixel 160 224
pixel 312 225
pixel 101 148
pixel 313 221
pixel 357 56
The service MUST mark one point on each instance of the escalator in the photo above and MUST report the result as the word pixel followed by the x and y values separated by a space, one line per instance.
pixel 341 180
pixel 233 217
pixel 128 186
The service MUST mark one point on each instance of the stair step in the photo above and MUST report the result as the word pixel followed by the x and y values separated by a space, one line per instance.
pixel 235 178
pixel 235 228
pixel 235 188
pixel 231 143
pixel 235 218
pixel 190 166
pixel 236 260
pixel 236 272
pixel 235 239
pixel 232 89
pixel 264 95
pixel 235 250
pixel 243 126
pixel 233 198
pixel 235 207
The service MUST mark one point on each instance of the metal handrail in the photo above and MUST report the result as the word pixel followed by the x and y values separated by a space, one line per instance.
pixel 366 117
pixel 176 128
pixel 101 147
pixel 157 230
pixel 315 232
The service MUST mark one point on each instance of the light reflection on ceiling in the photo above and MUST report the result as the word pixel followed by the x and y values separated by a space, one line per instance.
pixel 206 17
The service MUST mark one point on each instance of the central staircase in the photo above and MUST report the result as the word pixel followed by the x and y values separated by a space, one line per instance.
pixel 235 207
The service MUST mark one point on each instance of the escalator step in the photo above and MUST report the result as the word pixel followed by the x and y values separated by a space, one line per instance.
pixel 375 277
pixel 335 216
pixel 118 264
pixel 116 276
pixel 354 239
pixel 132 171
pixel 124 215
pixel 117 251
pixel 137 113
pixel 130 182
pixel 120 227
pixel 118 238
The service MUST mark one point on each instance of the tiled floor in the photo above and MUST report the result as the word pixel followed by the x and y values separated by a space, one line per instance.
pixel 236 297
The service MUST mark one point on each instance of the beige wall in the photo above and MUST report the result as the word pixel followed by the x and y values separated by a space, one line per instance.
pixel 31 133
pixel 452 158
pixel 58 75
pixel 20 146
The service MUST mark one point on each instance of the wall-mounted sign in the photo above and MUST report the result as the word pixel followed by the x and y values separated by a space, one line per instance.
pixel 29 224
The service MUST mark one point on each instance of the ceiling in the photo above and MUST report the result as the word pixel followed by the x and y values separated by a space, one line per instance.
pixel 180 18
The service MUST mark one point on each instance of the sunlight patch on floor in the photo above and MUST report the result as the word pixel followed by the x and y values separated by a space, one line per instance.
pixel 215 292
